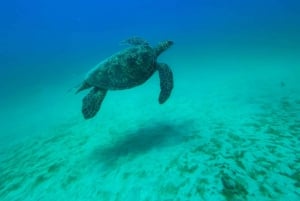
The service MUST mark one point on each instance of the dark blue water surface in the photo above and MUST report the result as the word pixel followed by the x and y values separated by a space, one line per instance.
pixel 46 41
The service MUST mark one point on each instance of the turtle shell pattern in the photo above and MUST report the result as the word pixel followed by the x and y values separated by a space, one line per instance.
pixel 125 69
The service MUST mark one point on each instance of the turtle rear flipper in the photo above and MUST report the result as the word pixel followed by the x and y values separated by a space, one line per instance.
pixel 92 101
pixel 166 82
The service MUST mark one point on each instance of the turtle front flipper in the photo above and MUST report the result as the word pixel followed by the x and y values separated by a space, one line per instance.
pixel 166 82
pixel 92 101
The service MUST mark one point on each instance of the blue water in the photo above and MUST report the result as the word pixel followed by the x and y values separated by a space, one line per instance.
pixel 230 130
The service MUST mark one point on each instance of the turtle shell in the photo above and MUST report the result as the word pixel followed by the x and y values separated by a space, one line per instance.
pixel 125 69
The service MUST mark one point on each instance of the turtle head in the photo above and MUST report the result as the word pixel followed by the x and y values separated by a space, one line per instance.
pixel 162 46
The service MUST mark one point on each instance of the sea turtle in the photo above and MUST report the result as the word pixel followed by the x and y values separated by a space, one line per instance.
pixel 123 70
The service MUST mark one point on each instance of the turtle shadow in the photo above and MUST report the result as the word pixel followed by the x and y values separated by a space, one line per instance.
pixel 142 140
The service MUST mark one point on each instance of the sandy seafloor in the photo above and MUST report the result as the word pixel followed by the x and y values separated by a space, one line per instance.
pixel 230 131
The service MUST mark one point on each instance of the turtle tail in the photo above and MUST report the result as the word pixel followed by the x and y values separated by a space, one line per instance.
pixel 163 46
pixel 83 86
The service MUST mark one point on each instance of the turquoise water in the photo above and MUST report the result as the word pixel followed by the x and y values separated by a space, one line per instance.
pixel 229 131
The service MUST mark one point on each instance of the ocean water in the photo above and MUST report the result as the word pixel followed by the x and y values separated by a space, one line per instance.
pixel 230 130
